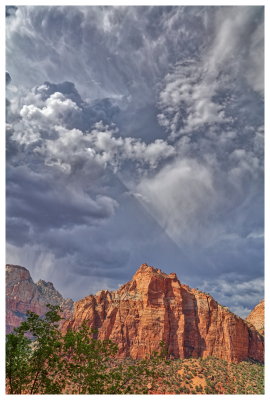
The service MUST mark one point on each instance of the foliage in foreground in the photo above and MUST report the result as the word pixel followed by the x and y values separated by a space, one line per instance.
pixel 40 360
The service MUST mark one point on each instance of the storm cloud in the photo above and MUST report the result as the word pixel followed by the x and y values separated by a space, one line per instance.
pixel 136 134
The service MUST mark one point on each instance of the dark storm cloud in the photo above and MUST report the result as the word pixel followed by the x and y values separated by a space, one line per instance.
pixel 63 213
pixel 239 292
pixel 17 231
pixel 8 78
pixel 45 202
pixel 11 10
pixel 67 88
pixel 150 149
pixel 138 46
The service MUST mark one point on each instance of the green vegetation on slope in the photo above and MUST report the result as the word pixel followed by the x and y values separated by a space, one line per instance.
pixel 39 360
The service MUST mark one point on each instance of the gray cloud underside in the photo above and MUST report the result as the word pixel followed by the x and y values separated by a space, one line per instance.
pixel 135 134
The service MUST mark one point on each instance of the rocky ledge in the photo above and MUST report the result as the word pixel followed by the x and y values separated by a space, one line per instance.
pixel 155 307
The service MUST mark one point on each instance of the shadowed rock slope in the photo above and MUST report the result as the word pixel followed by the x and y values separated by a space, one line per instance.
pixel 155 307
pixel 22 294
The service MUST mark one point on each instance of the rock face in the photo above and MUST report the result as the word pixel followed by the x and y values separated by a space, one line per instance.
pixel 155 307
pixel 256 317
pixel 22 294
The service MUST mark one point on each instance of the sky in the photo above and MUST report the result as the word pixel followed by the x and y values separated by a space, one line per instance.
pixel 136 135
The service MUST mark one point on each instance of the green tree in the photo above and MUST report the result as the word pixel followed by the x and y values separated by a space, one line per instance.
pixel 33 353
pixel 17 362
pixel 91 366
pixel 86 361
pixel 42 360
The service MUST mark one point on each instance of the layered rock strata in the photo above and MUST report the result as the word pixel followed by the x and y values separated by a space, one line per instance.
pixel 256 317
pixel 22 294
pixel 155 307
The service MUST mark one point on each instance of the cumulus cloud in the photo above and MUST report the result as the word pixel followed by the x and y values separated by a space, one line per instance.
pixel 46 126
pixel 66 191
pixel 115 149
pixel 150 149
pixel 199 92
pixel 56 107
pixel 58 104
pixel 187 100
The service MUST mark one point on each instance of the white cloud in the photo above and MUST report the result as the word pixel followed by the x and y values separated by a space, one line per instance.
pixel 230 25
pixel 244 165
pixel 54 110
pixel 115 149
pixel 46 125
pixel 182 199
pixel 203 185
pixel 187 100
pixel 69 148
pixel 25 135
pixel 190 98
pixel 233 27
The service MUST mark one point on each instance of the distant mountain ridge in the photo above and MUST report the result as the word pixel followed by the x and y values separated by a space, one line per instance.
pixel 23 294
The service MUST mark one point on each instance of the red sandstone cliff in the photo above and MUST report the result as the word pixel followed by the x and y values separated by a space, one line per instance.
pixel 22 294
pixel 256 317
pixel 155 307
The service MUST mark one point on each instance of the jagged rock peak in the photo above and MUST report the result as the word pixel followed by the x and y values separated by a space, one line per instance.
pixel 154 307
pixel 48 285
pixel 48 291
pixel 146 269
pixel 22 294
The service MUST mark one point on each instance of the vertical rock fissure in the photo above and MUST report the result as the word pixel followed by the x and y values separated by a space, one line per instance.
pixel 151 307
pixel 193 342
